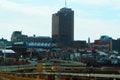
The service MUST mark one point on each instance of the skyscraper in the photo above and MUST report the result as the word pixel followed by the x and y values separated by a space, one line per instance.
pixel 63 26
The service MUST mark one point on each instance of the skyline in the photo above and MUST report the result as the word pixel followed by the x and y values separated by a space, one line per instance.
pixel 93 18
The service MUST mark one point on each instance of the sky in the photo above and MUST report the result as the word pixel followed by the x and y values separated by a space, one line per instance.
pixel 92 18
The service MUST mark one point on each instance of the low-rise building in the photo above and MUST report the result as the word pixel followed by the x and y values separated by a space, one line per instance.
pixel 8 56
pixel 79 44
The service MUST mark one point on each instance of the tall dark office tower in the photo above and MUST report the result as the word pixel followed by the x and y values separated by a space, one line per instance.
pixel 63 26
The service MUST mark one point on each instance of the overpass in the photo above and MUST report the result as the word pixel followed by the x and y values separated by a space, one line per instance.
pixel 62 71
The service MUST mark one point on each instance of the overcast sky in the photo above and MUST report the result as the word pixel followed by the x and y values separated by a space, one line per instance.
pixel 93 18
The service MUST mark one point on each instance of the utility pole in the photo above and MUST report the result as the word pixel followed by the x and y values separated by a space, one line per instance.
pixel 65 3
pixel 4 55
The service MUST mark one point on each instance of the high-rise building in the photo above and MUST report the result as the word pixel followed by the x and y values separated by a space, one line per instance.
pixel 63 26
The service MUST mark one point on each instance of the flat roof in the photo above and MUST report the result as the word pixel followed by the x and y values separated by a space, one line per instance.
pixel 7 51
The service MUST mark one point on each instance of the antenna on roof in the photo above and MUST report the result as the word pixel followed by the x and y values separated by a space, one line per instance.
pixel 65 3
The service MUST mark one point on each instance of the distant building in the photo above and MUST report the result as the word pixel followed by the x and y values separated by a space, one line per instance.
pixel 107 43
pixel 79 44
pixel 115 45
pixel 103 43
pixel 17 36
pixel 4 43
pixel 105 37
pixel 63 26
pixel 89 43
pixel 22 43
